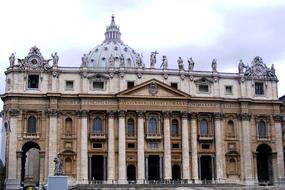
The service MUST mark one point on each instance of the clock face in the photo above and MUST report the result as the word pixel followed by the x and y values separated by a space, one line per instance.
pixel 258 70
pixel 34 61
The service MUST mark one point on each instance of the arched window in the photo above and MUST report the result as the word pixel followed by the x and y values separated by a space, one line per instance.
pixel 261 129
pixel 131 127
pixel 204 130
pixel 152 126
pixel 230 129
pixel 174 128
pixel 97 126
pixel 68 166
pixel 32 125
pixel 68 125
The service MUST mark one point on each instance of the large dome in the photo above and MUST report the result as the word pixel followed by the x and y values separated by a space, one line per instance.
pixel 113 52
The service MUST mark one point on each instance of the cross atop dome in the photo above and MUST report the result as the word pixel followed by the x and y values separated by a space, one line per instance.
pixel 113 31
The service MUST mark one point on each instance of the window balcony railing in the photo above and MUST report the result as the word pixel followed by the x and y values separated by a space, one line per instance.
pixel 205 137
pixel 68 135
pixel 153 136
pixel 263 138
pixel 97 136
pixel 231 137
pixel 35 135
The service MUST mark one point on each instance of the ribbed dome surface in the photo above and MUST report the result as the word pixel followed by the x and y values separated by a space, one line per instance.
pixel 113 52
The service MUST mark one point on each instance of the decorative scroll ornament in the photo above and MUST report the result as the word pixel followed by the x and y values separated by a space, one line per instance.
pixel 34 60
pixel 258 69
pixel 153 89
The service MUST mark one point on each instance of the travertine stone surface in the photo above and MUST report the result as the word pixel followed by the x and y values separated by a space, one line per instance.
pixel 141 159
pixel 122 150
pixel 84 150
pixel 194 157
pixel 111 149
pixel 52 143
pixel 167 150
pixel 185 149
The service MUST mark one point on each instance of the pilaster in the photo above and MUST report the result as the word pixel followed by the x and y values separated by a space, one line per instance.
pixel 167 150
pixel 122 148
pixel 12 182
pixel 194 154
pixel 83 114
pixel 111 148
pixel 246 147
pixel 185 147
pixel 140 150
pixel 52 140
pixel 219 148
pixel 279 148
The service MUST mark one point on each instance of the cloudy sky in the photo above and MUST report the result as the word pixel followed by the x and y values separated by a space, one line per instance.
pixel 228 30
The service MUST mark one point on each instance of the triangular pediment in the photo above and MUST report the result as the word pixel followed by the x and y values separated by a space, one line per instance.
pixel 153 89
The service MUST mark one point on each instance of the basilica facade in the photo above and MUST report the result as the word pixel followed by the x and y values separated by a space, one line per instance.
pixel 115 119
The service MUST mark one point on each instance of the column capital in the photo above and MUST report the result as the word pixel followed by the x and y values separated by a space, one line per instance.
pixel 184 114
pixel 19 154
pixel 52 112
pixel 111 113
pixel 166 114
pixel 244 116
pixel 14 112
pixel 140 113
pixel 193 115
pixel 82 113
pixel 218 116
pixel 277 118
pixel 122 113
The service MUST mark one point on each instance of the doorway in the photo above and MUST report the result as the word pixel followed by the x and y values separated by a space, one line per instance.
pixel 153 167
pixel 30 164
pixel 131 172
pixel 206 168
pixel 97 167
pixel 264 164
pixel 176 172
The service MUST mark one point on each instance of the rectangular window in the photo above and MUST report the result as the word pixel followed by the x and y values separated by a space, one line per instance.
pixel 259 90
pixel 175 145
pixel 203 88
pixel 131 145
pixel 174 85
pixel 205 146
pixel 69 85
pixel 97 145
pixel 98 85
pixel 131 84
pixel 229 89
pixel 33 81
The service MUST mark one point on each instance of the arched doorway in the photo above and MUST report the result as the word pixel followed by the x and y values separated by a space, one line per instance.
pixel 264 164
pixel 30 170
pixel 131 172
pixel 176 172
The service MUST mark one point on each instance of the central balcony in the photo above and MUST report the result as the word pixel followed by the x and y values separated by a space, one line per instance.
pixel 205 137
pixel 97 136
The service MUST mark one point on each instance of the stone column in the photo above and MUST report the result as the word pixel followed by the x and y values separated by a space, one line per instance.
pixel 52 144
pixel 219 148
pixel 246 147
pixel 84 147
pixel 279 148
pixel 161 166
pixel 111 148
pixel 89 168
pixel 122 148
pixel 140 150
pixel 167 150
pixel 146 167
pixel 12 182
pixel 194 157
pixel 185 147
